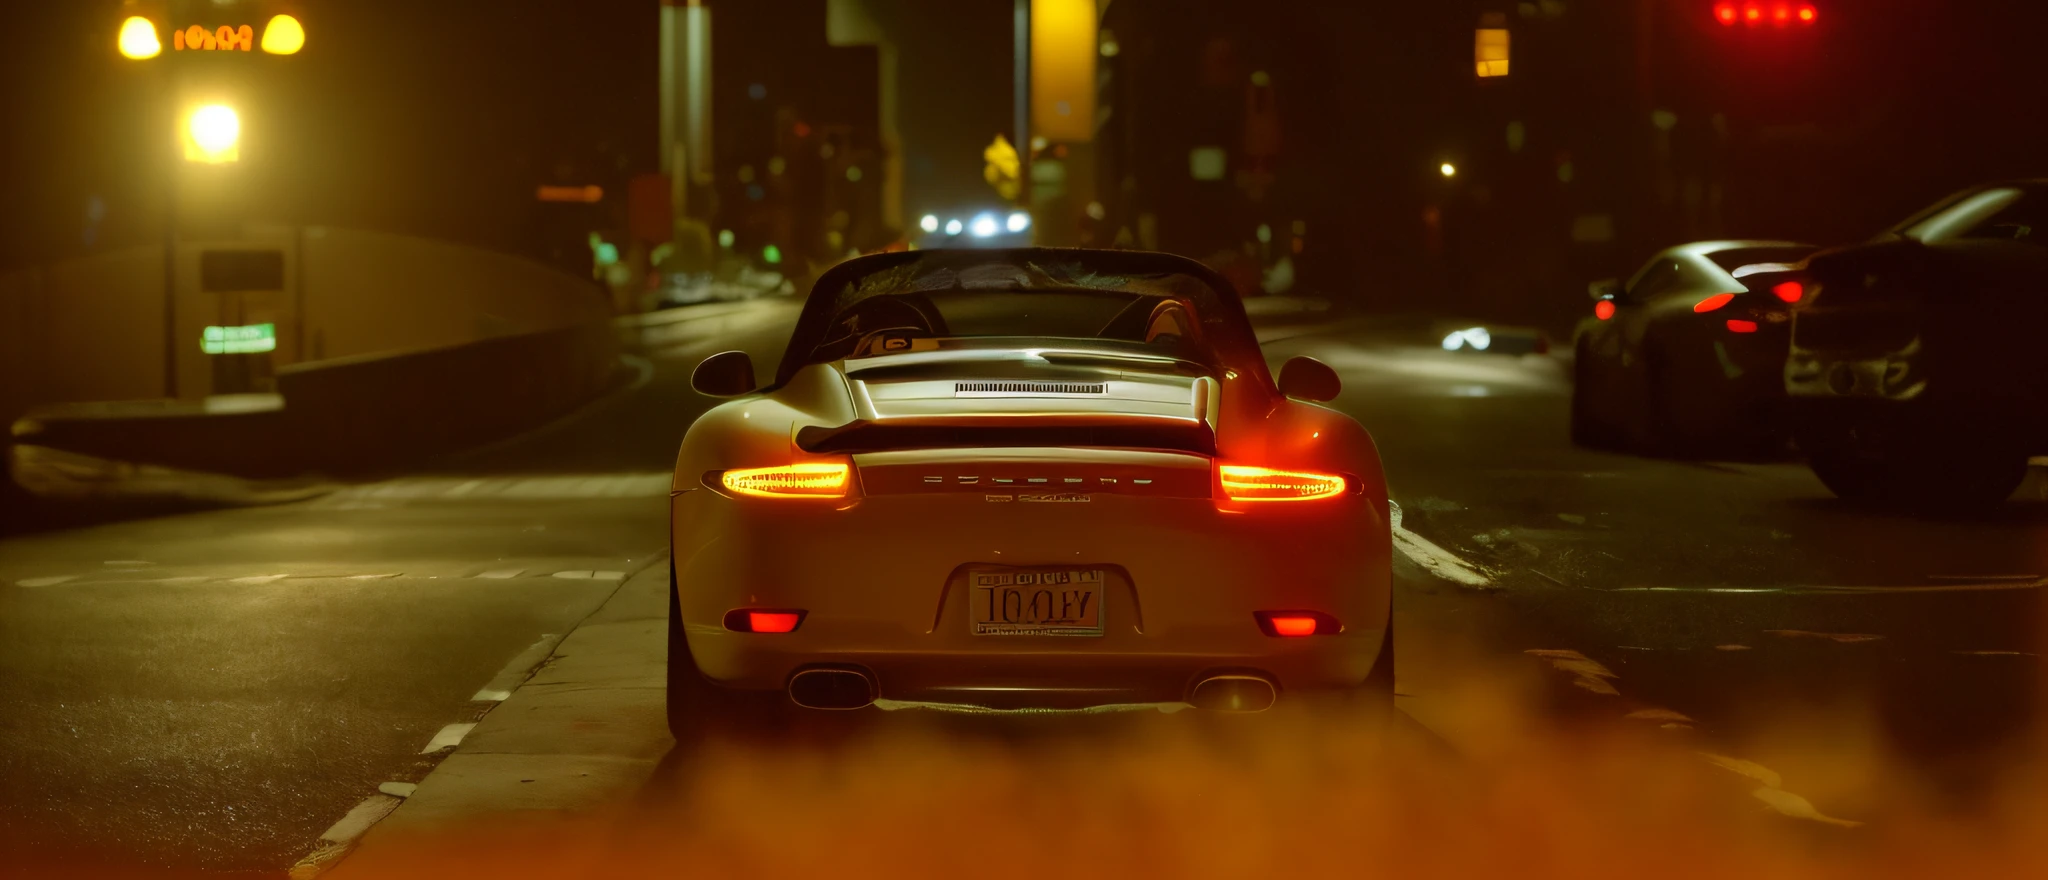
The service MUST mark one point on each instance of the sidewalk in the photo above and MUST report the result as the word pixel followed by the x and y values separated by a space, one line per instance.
pixel 587 729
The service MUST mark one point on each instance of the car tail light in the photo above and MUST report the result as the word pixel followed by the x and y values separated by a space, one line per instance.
pixel 1713 302
pixel 1603 309
pixel 803 480
pixel 1245 483
pixel 1789 291
pixel 764 620
pixel 1296 624
pixel 1740 326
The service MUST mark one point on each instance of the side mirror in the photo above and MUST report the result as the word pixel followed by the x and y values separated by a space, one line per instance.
pixel 1305 378
pixel 725 374
pixel 1605 288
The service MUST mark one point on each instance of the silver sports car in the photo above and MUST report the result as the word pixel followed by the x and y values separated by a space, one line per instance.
pixel 999 480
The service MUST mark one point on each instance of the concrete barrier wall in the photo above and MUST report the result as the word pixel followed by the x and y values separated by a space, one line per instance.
pixel 360 415
pixel 92 330
pixel 371 292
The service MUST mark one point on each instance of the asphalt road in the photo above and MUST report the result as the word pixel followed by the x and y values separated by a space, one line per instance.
pixel 214 689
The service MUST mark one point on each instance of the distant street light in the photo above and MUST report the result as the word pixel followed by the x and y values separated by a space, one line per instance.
pixel 213 135
pixel 138 39
pixel 930 223
pixel 1447 170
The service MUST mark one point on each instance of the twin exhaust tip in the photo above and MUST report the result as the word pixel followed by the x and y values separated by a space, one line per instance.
pixel 1233 693
pixel 844 689
pixel 832 689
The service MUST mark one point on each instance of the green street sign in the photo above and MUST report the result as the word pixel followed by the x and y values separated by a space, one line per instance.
pixel 252 339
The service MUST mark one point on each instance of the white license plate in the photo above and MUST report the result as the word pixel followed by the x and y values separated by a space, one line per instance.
pixel 1036 602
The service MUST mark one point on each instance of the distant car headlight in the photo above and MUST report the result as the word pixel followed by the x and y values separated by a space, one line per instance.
pixel 984 226
pixel 1019 221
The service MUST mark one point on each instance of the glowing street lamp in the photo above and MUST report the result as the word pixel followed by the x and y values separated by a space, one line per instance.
pixel 1447 170
pixel 138 39
pixel 213 135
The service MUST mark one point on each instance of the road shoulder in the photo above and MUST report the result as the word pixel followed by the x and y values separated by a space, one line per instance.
pixel 586 729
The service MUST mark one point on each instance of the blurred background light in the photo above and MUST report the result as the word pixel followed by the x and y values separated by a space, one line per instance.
pixel 1018 222
pixel 213 134
pixel 984 226
pixel 929 223
pixel 283 35
pixel 138 39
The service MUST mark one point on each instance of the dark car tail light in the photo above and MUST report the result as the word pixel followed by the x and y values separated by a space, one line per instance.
pixel 1296 624
pixel 764 620
pixel 1737 325
pixel 1789 291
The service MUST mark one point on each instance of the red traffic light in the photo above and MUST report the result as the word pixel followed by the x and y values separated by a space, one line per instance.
pixel 1754 14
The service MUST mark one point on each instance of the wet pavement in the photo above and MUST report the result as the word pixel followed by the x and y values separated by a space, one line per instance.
pixel 215 689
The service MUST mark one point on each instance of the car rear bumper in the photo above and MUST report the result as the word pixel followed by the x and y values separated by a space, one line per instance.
pixel 881 582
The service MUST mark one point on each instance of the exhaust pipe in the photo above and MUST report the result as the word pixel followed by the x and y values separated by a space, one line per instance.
pixel 1234 693
pixel 832 688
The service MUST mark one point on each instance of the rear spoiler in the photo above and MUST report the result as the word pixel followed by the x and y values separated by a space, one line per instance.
pixel 1114 432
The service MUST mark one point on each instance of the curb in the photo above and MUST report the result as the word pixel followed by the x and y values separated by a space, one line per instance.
pixel 582 725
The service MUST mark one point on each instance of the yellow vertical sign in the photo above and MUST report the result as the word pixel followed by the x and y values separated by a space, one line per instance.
pixel 1063 54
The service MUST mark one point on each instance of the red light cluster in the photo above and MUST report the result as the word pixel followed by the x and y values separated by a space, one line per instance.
pixel 1754 14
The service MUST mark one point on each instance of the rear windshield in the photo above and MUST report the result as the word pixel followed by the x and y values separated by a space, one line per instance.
pixel 1023 295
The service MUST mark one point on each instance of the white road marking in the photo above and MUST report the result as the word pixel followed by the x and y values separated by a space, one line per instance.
pixel 46 581
pixel 501 686
pixel 399 789
pixel 1440 562
pixel 463 489
pixel 449 737
pixel 502 573
pixel 573 575
pixel 607 575
pixel 359 819
pixel 258 579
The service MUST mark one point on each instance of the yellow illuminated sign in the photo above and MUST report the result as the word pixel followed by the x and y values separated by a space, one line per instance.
pixel 282 35
pixel 1490 52
pixel 1063 52
pixel 225 38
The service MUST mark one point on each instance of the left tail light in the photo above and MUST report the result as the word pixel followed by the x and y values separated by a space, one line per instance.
pixel 1296 624
pixel 1246 483
pixel 802 480
pixel 764 620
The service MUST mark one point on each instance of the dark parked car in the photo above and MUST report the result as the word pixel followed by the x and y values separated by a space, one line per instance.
pixel 1688 357
pixel 1918 372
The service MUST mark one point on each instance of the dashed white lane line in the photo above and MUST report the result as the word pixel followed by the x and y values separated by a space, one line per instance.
pixel 1440 562
pixel 449 737
pixel 590 575
pixel 46 581
pixel 500 687
pixel 258 579
pixel 502 574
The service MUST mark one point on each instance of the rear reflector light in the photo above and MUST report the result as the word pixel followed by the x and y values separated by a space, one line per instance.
pixel 1246 483
pixel 1713 302
pixel 757 620
pixel 1789 291
pixel 1735 326
pixel 1603 309
pixel 808 480
pixel 1296 624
